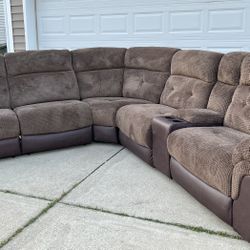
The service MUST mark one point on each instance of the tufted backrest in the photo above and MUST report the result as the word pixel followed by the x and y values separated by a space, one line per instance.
pixel 4 91
pixel 146 72
pixel 238 113
pixel 193 75
pixel 41 76
pixel 99 71
pixel 228 80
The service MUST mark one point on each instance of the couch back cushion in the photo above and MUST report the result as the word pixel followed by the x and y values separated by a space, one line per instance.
pixel 4 91
pixel 228 80
pixel 41 76
pixel 193 75
pixel 146 72
pixel 99 71
pixel 238 113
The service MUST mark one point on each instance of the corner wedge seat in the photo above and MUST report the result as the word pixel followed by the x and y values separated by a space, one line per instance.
pixel 100 77
pixel 193 75
pixel 9 126
pixel 104 108
pixel 45 97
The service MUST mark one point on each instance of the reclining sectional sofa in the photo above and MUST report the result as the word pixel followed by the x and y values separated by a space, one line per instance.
pixel 186 113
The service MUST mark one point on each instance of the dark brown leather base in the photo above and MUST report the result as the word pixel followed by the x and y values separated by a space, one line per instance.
pixel 10 147
pixel 105 134
pixel 38 143
pixel 241 210
pixel 144 153
pixel 214 200
pixel 162 127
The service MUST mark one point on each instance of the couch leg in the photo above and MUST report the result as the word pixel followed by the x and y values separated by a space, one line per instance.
pixel 241 210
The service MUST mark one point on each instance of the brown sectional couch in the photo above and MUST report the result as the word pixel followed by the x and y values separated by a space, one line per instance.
pixel 186 113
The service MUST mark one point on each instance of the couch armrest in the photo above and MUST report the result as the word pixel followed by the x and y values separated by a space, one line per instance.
pixel 241 162
pixel 161 128
pixel 203 117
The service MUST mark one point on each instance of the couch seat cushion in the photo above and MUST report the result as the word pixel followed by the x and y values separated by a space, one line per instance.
pixel 104 108
pixel 135 121
pixel 207 153
pixel 9 126
pixel 53 117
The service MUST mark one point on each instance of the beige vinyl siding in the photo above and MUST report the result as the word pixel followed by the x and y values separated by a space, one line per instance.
pixel 18 25
pixel 2 24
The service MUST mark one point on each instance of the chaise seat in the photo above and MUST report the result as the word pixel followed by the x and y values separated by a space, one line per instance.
pixel 207 152
pixel 104 108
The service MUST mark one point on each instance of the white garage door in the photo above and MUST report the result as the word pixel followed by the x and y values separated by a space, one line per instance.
pixel 221 25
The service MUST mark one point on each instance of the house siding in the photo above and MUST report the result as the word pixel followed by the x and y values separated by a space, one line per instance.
pixel 2 24
pixel 18 25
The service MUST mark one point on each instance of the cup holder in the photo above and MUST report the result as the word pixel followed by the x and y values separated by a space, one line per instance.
pixel 176 120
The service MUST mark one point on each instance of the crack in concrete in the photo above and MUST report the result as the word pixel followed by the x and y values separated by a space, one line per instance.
pixel 6 191
pixel 180 225
pixel 52 203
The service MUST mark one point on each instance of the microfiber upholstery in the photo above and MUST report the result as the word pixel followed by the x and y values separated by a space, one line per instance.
pixel 207 153
pixel 146 72
pixel 99 71
pixel 228 79
pixel 104 108
pixel 135 121
pixel 41 76
pixel 193 75
pixel 4 92
pixel 238 113
pixel 53 117
pixel 241 161
pixel 9 126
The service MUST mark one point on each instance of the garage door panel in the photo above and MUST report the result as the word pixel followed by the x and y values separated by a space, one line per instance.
pixel 204 24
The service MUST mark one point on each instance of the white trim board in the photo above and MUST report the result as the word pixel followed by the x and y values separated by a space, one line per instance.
pixel 8 26
pixel 30 30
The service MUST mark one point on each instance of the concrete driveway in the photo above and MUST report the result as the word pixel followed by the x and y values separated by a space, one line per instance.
pixel 101 196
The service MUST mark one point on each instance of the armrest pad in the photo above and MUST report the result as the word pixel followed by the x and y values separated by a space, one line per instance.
pixel 200 116
pixel 162 127
pixel 241 162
